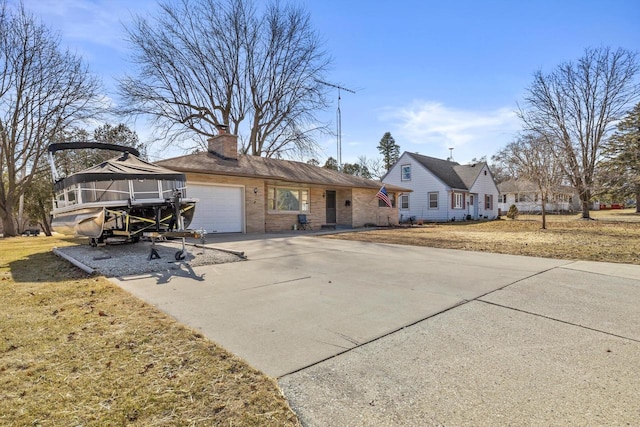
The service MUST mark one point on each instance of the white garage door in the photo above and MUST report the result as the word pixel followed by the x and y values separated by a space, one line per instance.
pixel 219 209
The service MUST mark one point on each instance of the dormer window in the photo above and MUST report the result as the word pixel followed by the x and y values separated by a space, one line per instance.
pixel 406 172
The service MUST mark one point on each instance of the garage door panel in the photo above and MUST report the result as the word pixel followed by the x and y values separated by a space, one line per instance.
pixel 219 208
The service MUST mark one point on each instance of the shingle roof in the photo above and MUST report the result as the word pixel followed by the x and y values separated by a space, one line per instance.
pixel 525 186
pixel 469 173
pixel 267 168
pixel 516 185
pixel 453 174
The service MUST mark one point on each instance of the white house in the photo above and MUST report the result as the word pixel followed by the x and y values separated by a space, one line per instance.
pixel 526 196
pixel 443 190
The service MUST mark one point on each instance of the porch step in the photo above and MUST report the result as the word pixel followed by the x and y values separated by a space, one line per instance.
pixel 328 226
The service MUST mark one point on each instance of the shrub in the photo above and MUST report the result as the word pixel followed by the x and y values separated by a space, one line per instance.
pixel 513 212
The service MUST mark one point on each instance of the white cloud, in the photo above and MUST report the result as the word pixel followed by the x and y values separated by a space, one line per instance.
pixel 432 123
pixel 95 21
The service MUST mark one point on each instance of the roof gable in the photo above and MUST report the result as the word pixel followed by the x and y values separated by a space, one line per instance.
pixel 469 173
pixel 444 170
pixel 452 174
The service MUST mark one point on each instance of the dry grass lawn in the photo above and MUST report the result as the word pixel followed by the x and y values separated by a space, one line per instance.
pixel 613 236
pixel 78 350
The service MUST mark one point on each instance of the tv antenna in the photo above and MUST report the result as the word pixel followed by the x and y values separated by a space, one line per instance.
pixel 338 119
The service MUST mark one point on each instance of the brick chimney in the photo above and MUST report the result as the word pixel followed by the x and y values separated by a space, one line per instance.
pixel 224 145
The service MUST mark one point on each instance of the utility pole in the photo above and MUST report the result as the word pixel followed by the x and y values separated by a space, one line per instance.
pixel 338 119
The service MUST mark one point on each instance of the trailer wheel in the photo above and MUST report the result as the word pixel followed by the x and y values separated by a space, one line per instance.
pixel 180 256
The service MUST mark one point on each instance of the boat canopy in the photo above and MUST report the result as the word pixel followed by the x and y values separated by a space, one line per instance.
pixel 124 167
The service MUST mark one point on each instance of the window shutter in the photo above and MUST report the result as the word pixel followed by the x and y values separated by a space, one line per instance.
pixel 453 200
pixel 464 199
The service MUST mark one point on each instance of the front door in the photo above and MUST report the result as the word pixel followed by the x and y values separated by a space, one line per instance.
pixel 472 206
pixel 331 206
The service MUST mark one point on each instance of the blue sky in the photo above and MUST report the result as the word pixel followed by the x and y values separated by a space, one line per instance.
pixel 436 74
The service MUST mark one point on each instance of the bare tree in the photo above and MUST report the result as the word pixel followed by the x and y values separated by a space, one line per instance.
pixel 500 171
pixel 575 107
pixel 530 157
pixel 209 62
pixel 43 89
pixel 375 166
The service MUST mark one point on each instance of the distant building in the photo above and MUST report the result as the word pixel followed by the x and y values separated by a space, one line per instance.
pixel 526 196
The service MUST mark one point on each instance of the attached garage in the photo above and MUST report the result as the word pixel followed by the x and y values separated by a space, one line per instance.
pixel 219 208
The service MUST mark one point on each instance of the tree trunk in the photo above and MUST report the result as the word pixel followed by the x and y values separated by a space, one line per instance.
pixel 585 198
pixel 45 228
pixel 8 225
pixel 544 215
pixel 21 214
pixel 585 209
pixel 45 222
pixel 638 202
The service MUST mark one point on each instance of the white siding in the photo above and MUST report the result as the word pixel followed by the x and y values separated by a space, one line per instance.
pixel 422 183
pixel 485 185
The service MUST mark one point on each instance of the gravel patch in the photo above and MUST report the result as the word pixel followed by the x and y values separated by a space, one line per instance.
pixel 133 258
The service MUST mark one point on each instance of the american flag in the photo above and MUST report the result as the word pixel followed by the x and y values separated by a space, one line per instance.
pixel 384 196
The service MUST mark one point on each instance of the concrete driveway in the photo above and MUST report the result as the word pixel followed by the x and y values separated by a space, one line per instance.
pixel 373 334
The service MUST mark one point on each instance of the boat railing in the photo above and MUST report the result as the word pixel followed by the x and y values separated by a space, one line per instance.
pixel 118 190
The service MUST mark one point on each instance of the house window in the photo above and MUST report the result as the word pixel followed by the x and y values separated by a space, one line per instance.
pixel 288 199
pixel 458 201
pixel 504 198
pixel 406 172
pixel 433 200
pixel 404 201
pixel 488 202
pixel 392 197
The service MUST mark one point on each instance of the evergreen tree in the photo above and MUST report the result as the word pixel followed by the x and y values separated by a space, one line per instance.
pixel 619 172
pixel 331 163
pixel 389 149
pixel 356 169
pixel 71 161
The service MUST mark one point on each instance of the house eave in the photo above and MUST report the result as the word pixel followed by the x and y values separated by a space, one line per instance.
pixel 289 180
